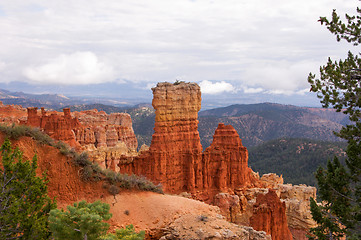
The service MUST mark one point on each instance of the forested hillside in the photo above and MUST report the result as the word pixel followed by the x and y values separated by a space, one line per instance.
pixel 295 159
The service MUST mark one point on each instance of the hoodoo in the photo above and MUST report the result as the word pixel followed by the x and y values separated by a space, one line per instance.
pixel 175 157
pixel 176 150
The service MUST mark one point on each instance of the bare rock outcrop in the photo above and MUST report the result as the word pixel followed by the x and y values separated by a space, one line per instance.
pixel 175 148
pixel 175 154
pixel 102 130
pixel 225 162
pixel 269 215
pixel 175 157
pixel 194 227
pixel 56 125
pixel 297 200
pixel 11 114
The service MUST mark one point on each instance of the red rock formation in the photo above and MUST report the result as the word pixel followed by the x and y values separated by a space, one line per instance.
pixel 90 129
pixel 12 113
pixel 59 127
pixel 175 152
pixel 175 160
pixel 175 157
pixel 102 130
pixel 225 162
pixel 229 206
pixel 269 216
pixel 33 118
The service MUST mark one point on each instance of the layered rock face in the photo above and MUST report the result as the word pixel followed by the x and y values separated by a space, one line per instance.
pixel 297 200
pixel 10 114
pixel 107 138
pixel 175 157
pixel 60 127
pixel 225 162
pixel 175 153
pixel 269 216
pixel 102 130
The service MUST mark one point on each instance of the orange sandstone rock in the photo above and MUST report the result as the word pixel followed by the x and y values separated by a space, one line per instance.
pixel 269 216
pixel 102 130
pixel 10 114
pixel 226 162
pixel 59 127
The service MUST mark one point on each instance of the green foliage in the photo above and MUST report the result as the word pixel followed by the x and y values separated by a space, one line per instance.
pixel 340 186
pixel 177 82
pixel 127 233
pixel 349 31
pixel 24 203
pixel 296 159
pixel 16 131
pixel 84 220
pixel 334 216
pixel 81 221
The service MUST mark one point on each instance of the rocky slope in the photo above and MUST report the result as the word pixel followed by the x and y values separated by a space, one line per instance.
pixel 158 214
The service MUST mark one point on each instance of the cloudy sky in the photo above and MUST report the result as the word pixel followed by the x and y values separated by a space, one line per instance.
pixel 237 50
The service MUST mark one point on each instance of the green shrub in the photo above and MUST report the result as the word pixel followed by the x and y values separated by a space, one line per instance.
pixel 113 189
pixel 82 159
pixel 81 220
pixel 127 233
pixel 86 173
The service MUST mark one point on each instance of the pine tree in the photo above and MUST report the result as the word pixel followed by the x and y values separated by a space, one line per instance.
pixel 339 186
pixel 127 233
pixel 24 203
pixel 81 220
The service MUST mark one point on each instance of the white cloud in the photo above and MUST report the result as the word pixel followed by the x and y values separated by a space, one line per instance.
pixel 78 68
pixel 279 77
pixel 252 90
pixel 2 66
pixel 208 87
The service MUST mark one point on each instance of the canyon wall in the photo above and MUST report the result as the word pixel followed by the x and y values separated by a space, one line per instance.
pixel 56 125
pixel 107 138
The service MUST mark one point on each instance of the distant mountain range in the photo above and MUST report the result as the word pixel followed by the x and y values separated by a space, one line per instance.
pixel 55 101
pixel 258 123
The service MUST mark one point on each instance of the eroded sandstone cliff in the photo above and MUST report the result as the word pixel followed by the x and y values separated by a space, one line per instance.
pixel 107 138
